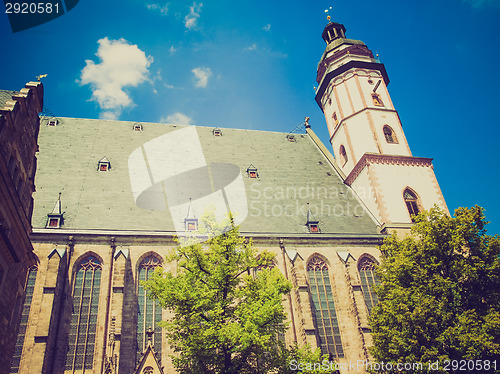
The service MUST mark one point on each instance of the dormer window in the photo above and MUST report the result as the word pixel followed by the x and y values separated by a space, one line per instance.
pixel 55 218
pixel 104 164
pixel 191 224
pixel 290 138
pixel 377 101
pixel 54 222
pixel 137 127
pixel 252 172
pixel 217 132
pixel 53 122
pixel 312 224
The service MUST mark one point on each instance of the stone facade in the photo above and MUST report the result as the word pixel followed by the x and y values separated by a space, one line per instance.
pixel 19 125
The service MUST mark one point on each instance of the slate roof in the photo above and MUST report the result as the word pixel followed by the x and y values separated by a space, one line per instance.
pixel 291 175
pixel 5 96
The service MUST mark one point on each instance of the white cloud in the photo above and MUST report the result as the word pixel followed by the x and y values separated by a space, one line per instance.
pixel 177 118
pixel 172 50
pixel 253 47
pixel 202 74
pixel 267 27
pixel 163 9
pixel 191 20
pixel 121 65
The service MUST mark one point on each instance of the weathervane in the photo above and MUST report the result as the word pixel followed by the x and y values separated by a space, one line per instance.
pixel 328 15
pixel 40 77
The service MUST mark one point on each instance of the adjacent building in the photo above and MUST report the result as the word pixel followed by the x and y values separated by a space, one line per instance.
pixel 19 125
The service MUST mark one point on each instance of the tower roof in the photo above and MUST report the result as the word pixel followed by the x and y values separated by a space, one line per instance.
pixel 333 31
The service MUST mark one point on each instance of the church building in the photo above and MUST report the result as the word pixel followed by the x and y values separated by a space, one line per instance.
pixel 111 196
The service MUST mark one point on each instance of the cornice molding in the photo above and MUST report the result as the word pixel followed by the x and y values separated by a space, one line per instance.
pixel 374 158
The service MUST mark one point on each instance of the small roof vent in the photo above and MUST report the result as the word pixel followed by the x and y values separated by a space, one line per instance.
pixel 291 138
pixel 217 132
pixel 137 127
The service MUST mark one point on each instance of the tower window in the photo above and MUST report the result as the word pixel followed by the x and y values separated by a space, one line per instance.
pixel 343 155
pixel 335 118
pixel 377 101
pixel 411 201
pixel 83 325
pixel 53 122
pixel 369 279
pixel 389 134
pixel 323 308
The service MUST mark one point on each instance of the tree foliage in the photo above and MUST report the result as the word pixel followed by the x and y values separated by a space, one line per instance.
pixel 439 297
pixel 226 315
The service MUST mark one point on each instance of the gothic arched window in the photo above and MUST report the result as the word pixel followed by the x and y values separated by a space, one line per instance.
pixel 389 134
pixel 149 311
pixel 411 201
pixel 324 308
pixel 30 287
pixel 83 325
pixel 369 278
pixel 343 155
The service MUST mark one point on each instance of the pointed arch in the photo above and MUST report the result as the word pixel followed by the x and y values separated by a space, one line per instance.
pixel 149 312
pixel 323 307
pixel 83 324
pixel 366 268
pixel 412 202
pixel 29 290
pixel 390 135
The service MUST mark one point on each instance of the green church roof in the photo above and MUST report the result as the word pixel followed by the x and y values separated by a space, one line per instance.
pixel 290 174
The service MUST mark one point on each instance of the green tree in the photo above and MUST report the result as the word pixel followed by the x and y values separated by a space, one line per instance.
pixel 439 297
pixel 226 315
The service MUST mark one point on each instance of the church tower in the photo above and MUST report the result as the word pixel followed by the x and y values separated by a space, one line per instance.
pixel 366 134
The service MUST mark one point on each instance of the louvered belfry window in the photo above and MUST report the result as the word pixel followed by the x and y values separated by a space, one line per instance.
pixel 149 311
pixel 30 287
pixel 324 308
pixel 368 280
pixel 83 325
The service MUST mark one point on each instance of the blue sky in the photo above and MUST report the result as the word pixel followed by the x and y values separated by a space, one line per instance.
pixel 252 65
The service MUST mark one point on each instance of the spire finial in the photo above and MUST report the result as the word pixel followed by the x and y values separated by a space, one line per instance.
pixel 328 15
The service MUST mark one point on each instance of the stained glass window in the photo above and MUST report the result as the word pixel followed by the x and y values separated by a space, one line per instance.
pixel 149 311
pixel 83 325
pixel 324 308
pixel 368 279
pixel 18 350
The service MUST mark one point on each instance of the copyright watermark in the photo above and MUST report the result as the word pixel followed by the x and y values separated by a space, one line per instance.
pixel 446 365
